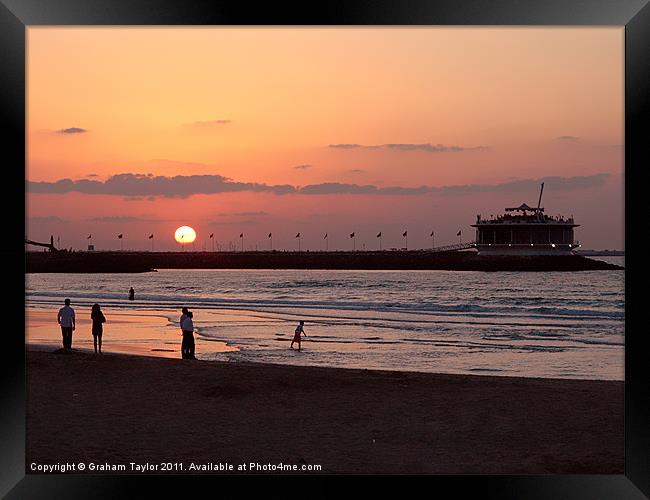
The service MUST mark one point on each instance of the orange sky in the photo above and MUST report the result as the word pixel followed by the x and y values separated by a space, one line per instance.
pixel 490 111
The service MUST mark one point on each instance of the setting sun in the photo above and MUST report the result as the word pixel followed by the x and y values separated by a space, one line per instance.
pixel 185 234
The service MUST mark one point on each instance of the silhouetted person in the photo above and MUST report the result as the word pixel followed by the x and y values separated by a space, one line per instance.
pixel 187 346
pixel 131 294
pixel 98 319
pixel 297 333
pixel 66 319
pixel 184 312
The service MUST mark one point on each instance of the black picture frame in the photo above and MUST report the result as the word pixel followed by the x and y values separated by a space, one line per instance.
pixel 16 15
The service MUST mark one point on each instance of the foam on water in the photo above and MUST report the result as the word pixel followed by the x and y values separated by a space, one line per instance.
pixel 524 324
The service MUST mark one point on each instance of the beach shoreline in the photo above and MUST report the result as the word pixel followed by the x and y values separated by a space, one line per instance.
pixel 121 408
pixel 352 339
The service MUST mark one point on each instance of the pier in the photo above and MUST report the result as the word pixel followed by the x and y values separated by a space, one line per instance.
pixel 438 259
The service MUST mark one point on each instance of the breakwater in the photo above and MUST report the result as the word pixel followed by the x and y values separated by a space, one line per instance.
pixel 135 262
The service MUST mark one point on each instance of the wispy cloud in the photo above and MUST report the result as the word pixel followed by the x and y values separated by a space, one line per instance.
pixel 555 182
pixel 46 219
pixel 243 214
pixel 568 138
pixel 426 147
pixel 140 186
pixel 351 146
pixel 118 218
pixel 72 130
pixel 237 222
pixel 356 171
pixel 303 167
pixel 208 124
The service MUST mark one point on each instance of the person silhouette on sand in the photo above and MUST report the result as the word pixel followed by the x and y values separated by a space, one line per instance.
pixel 98 320
pixel 184 312
pixel 187 326
pixel 131 294
pixel 296 336
pixel 66 319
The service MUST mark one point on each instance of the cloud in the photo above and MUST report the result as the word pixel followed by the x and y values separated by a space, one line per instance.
pixel 46 219
pixel 144 185
pixel 356 171
pixel 431 148
pixel 118 218
pixel 348 146
pixel 209 123
pixel 141 186
pixel 237 223
pixel 303 167
pixel 338 188
pixel 72 130
pixel 140 198
pixel 243 214
pixel 569 138
pixel 427 148
pixel 555 183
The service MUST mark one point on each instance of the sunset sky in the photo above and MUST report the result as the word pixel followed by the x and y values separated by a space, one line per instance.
pixel 319 130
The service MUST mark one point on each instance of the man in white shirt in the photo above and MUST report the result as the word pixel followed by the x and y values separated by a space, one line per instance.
pixel 66 319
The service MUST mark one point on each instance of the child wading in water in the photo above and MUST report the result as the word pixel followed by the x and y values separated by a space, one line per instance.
pixel 297 333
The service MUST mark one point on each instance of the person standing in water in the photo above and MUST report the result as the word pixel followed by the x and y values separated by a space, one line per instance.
pixel 66 319
pixel 296 336
pixel 131 294
pixel 98 320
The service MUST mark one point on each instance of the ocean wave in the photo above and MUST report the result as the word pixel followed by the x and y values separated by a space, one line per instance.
pixel 265 305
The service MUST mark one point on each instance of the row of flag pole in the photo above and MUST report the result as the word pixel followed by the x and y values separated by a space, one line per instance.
pixel 121 238
pixel 298 237
pixel 352 235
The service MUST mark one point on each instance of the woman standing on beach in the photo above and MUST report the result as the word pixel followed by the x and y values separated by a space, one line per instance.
pixel 98 320
pixel 187 327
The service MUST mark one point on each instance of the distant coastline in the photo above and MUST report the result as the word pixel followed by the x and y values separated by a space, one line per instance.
pixel 139 262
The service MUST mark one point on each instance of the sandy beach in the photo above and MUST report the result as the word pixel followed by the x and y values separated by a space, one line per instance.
pixel 145 333
pixel 121 409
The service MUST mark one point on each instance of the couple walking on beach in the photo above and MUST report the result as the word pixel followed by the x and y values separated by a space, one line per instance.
pixel 187 329
pixel 66 318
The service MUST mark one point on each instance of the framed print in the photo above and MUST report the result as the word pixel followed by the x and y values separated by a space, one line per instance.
pixel 367 239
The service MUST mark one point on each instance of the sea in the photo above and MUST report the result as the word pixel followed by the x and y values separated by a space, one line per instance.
pixel 521 324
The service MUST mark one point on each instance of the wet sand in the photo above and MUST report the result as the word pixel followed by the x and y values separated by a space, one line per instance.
pixel 119 409
pixel 145 333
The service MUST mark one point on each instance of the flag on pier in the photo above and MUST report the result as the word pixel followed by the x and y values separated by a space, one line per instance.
pixel 298 235
pixel 119 236
pixel 378 235
pixel 431 234
pixel 405 233
pixel 351 235
pixel 151 236
pixel 270 235
pixel 325 237
pixel 211 235
pixel 89 236
pixel 241 235
pixel 458 233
